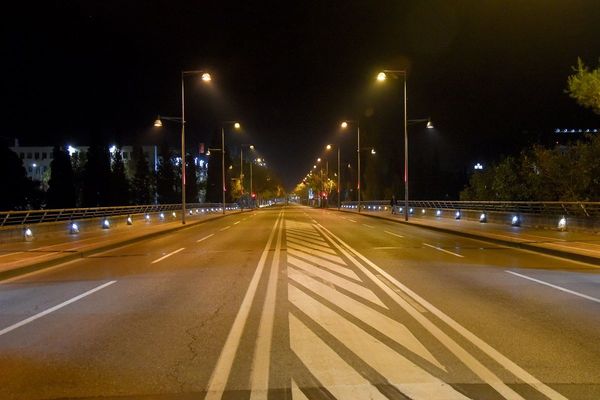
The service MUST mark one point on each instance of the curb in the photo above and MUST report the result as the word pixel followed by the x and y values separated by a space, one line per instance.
pixel 523 246
pixel 4 275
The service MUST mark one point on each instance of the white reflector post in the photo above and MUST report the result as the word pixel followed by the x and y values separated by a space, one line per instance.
pixel 562 223
pixel 28 234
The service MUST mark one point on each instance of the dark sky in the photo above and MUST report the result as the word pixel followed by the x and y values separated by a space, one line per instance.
pixel 491 74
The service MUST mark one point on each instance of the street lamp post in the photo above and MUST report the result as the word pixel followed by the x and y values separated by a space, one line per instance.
pixel 344 125
pixel 236 125
pixel 251 147
pixel 158 123
pixel 382 76
pixel 329 147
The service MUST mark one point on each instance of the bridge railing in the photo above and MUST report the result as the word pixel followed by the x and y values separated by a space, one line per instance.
pixel 30 217
pixel 551 208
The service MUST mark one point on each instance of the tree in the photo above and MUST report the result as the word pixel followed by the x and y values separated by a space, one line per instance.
pixel 142 185
pixel 584 86
pixel 191 180
pixel 165 177
pixel 97 176
pixel 119 184
pixel 14 179
pixel 61 186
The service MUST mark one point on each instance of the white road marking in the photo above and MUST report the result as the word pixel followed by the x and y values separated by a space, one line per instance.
pixel 237 222
pixel 445 251
pixel 327 366
pixel 326 277
pixel 168 255
pixel 344 270
pixel 368 226
pixel 351 220
pixel 205 237
pixel 224 229
pixel 220 375
pixel 483 372
pixel 11 254
pixel 386 248
pixel 393 234
pixel 52 309
pixel 262 350
pixel 585 296
pixel 399 371
pixel 297 393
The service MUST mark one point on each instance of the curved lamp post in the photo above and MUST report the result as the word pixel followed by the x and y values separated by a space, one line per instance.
pixel 158 123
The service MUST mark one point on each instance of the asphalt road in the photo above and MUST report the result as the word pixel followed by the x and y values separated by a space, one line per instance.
pixel 304 304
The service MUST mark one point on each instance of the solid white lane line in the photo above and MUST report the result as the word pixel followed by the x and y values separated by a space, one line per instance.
pixel 262 350
pixel 445 251
pixel 368 226
pixel 52 309
pixel 11 254
pixel 168 255
pixel 224 229
pixel 220 375
pixel 585 296
pixel 393 234
pixel 478 368
pixel 205 237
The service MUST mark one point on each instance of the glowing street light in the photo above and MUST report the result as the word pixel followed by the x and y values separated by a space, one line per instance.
pixel 236 125
pixel 381 76
pixel 205 76
pixel 344 125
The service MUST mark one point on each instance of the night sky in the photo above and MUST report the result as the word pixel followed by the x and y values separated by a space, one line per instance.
pixel 490 74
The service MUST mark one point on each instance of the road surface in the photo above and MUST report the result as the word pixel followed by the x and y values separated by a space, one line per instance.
pixel 297 303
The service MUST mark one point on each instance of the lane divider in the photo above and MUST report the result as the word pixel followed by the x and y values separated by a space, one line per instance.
pixel 220 376
pixel 467 358
pixel 445 251
pixel 393 234
pixel 168 255
pixel 368 226
pixel 205 237
pixel 562 289
pixel 52 309
pixel 224 229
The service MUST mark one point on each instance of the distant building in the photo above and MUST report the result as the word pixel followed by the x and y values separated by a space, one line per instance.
pixel 37 159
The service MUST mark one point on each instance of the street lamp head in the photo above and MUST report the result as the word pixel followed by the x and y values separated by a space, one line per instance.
pixel 328 147
pixel 251 147
pixel 314 167
pixel 208 153
pixel 381 77
pixel 158 123
pixel 429 124
pixel 206 77
pixel 319 159
pixel 344 125
pixel 373 151
pixel 237 125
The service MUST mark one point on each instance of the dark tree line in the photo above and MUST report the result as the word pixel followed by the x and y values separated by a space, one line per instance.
pixel 561 173
pixel 96 178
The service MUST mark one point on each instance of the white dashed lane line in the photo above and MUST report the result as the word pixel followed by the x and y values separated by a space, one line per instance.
pixel 204 238
pixel 168 255
pixel 562 289
pixel 442 250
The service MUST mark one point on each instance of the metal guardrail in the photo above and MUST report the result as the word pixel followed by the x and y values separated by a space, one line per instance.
pixel 555 208
pixel 30 217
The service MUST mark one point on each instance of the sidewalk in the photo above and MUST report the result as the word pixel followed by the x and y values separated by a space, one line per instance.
pixel 18 258
pixel 580 246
